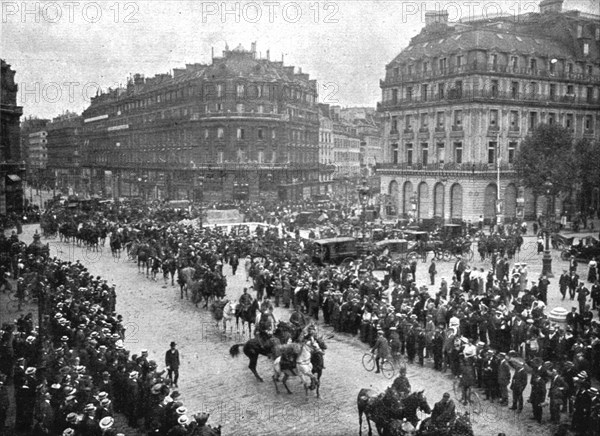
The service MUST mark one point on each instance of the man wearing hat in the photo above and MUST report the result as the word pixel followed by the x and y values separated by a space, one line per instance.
pixel 563 283
pixel 582 406
pixel 518 385
pixel 172 363
pixel 444 412
pixel 503 379
pixel 557 394
pixel 381 349
pixel 89 425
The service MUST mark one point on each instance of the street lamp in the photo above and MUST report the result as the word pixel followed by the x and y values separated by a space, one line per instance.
pixel 364 193
pixel 547 258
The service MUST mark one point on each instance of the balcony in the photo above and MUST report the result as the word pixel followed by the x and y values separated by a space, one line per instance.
pixel 424 130
pixel 457 128
pixel 484 96
pixel 440 130
pixel 447 167
pixel 477 68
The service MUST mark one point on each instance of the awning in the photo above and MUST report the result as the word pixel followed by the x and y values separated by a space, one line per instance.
pixel 13 177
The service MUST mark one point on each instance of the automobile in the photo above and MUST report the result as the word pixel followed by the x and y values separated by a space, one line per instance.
pixel 334 250
pixel 587 249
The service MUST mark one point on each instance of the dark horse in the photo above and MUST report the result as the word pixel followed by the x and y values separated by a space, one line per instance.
pixel 248 315
pixel 384 408
pixel 143 255
pixel 255 347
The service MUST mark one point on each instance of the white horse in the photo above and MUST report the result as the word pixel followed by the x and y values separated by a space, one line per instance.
pixel 224 315
pixel 304 367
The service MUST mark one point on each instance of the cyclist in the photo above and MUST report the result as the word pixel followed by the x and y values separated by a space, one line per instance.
pixel 381 349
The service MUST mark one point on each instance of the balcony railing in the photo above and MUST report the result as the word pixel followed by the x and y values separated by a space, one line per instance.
pixel 487 95
pixel 487 68
pixel 447 166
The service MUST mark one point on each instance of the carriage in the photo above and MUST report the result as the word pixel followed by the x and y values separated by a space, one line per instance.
pixel 560 242
pixel 334 250
pixel 587 249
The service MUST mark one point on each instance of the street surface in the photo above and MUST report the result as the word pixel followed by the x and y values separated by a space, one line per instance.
pixel 214 382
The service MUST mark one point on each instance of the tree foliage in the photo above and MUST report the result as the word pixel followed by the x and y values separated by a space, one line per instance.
pixel 548 155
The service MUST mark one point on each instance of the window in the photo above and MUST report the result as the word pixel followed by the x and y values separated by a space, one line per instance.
pixel 395 153
pixel 586 48
pixel 240 90
pixel 410 70
pixel 552 67
pixel 551 118
pixel 408 122
pixel 260 133
pixel 409 93
pixel 532 120
pixel 424 120
pixel 458 85
pixel 441 121
pixel 570 90
pixel 396 72
pixel 514 89
pixel 409 154
pixel 395 96
pixel 219 107
pixel 570 68
pixel 590 70
pixel 493 119
pixel 579 31
pixel 597 33
pixel 494 61
pixel 205 133
pixel 552 91
pixel 441 90
pixel 533 89
pixel 494 88
pixel 260 109
pixel 514 62
pixel 240 133
pixel 442 64
pixel 512 148
pixel 514 120
pixel 441 152
pixel 239 108
pixel 261 156
pixel 459 61
pixel 219 157
pixel 219 90
pixel 425 67
pixel 458 152
pixel 457 118
pixel 589 123
pixel 424 153
pixel 273 134
pixel 533 64
pixel 569 122
pixel 220 133
pixel 589 94
pixel 424 92
pixel 394 125
pixel 492 146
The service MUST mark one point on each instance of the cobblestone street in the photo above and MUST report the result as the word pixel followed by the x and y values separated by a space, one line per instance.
pixel 213 381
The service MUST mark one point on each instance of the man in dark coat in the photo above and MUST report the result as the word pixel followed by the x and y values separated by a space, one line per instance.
pixel 172 363
pixel 443 412
pixel 556 394
pixel 503 379
pixel 563 283
pixel 582 406
pixel 519 382
pixel 537 397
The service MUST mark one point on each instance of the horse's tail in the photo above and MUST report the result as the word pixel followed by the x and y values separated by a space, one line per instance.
pixel 235 350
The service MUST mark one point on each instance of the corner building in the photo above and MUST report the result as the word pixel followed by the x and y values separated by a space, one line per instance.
pixel 460 99
pixel 241 128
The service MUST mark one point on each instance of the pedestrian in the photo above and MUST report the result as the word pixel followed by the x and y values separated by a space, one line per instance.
pixel 563 283
pixel 503 379
pixel 234 261
pixel 582 293
pixel 556 394
pixel 432 272
pixel 538 396
pixel 172 363
pixel 519 382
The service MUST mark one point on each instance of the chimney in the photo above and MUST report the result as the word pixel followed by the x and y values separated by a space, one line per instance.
pixel 212 52
pixel 436 17
pixel 253 47
pixel 551 6
pixel 268 55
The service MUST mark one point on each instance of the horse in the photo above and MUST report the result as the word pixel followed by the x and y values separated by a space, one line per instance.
pixel 169 266
pixel 388 406
pixel 144 254
pixel 185 277
pixel 304 367
pixel 155 263
pixel 253 348
pixel 248 315
pixel 115 245
pixel 223 311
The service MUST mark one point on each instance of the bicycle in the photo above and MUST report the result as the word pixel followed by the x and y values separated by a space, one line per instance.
pixel 386 366
pixel 473 399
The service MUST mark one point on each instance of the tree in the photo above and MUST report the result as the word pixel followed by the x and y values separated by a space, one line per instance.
pixel 587 155
pixel 547 155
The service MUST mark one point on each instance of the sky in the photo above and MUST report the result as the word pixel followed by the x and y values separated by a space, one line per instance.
pixel 64 51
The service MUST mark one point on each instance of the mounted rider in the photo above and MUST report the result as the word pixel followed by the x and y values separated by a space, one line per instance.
pixel 265 327
pixel 245 300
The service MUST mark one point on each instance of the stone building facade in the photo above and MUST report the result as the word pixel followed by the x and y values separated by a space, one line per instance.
pixel 241 128
pixel 64 153
pixel 460 99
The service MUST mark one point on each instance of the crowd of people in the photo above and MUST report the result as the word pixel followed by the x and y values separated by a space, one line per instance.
pixel 72 373
pixel 481 325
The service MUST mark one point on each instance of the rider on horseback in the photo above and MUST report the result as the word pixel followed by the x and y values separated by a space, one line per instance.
pixel 444 412
pixel 265 327
pixel 245 299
